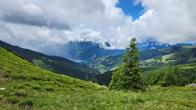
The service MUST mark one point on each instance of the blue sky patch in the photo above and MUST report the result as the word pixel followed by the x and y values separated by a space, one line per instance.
pixel 130 9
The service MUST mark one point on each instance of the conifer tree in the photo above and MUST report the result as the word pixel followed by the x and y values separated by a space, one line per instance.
pixel 128 75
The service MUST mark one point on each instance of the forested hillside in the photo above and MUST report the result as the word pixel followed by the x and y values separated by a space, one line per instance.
pixel 179 75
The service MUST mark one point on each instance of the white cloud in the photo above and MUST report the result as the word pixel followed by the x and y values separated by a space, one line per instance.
pixel 36 23
pixel 32 9
pixel 168 20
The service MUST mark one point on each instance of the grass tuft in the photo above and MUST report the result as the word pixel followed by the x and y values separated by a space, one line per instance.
pixel 26 103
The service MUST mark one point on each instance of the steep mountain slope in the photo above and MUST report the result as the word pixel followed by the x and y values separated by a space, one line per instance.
pixel 53 63
pixel 25 86
pixel 22 81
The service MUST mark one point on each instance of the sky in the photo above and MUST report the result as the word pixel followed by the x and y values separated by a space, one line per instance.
pixel 131 8
pixel 42 24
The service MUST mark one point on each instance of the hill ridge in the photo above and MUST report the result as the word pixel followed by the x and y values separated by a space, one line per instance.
pixel 53 63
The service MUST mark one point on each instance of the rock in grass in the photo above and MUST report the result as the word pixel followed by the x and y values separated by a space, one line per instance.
pixel 192 85
pixel 2 88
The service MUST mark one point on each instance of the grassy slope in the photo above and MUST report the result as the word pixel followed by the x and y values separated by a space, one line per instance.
pixel 29 87
pixel 52 63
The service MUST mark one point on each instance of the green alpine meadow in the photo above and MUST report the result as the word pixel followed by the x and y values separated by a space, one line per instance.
pixel 27 86
pixel 97 55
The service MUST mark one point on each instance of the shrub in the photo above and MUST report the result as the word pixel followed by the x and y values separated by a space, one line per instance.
pixel 170 79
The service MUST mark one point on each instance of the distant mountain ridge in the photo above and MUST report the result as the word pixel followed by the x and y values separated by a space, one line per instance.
pixel 84 51
pixel 148 45
pixel 56 64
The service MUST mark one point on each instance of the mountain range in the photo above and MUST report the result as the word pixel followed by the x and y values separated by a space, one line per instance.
pixel 85 51
pixel 96 59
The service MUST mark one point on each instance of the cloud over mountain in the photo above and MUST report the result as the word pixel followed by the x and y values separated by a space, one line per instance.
pixel 38 24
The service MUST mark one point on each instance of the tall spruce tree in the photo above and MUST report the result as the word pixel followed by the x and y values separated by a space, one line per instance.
pixel 128 75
